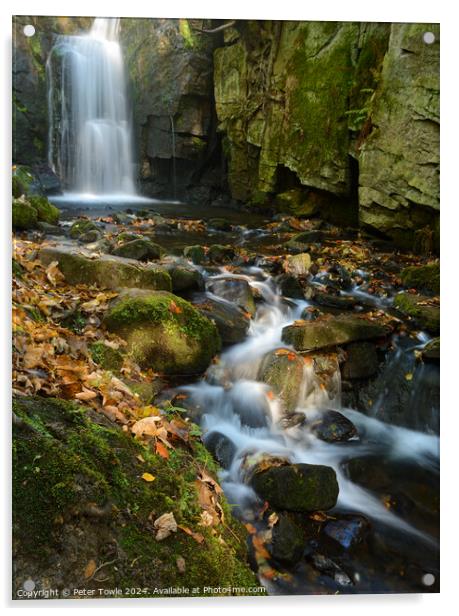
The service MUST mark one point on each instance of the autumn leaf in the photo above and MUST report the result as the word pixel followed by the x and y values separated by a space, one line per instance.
pixel 148 477
pixel 86 395
pixel 53 273
pixel 198 537
pixel 90 569
pixel 174 308
pixel 260 550
pixel 164 526
pixel 162 450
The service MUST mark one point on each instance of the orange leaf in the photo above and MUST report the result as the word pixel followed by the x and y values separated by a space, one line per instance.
pixel 270 395
pixel 250 528
pixel 174 308
pixel 196 536
pixel 162 450
pixel 260 547
pixel 89 569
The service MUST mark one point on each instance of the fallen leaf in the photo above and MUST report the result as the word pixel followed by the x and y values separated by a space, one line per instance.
pixel 196 536
pixel 86 395
pixel 89 569
pixel 174 308
pixel 165 525
pixel 162 450
pixel 180 561
pixel 148 477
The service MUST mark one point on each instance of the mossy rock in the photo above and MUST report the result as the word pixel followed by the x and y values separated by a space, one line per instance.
pixel 140 249
pixel 232 324
pixel 422 277
pixel 184 278
pixel 17 269
pixel 283 371
pixel 79 496
pixel 106 357
pixel 431 352
pixel 164 332
pixel 361 361
pixel 220 254
pixel 80 227
pixel 196 254
pixel 323 333
pixel 234 290
pixel 296 202
pixel 417 307
pixel 24 216
pixel 46 211
pixel 297 487
pixel 332 427
pixel 288 539
pixel 106 271
pixel 23 181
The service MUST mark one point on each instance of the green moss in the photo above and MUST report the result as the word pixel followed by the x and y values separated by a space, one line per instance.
pixel 422 277
pixel 195 253
pixel 24 216
pixel 46 212
pixel 80 227
pixel 416 307
pixel 106 357
pixel 65 463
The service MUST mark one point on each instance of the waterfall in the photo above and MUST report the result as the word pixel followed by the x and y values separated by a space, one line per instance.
pixel 90 130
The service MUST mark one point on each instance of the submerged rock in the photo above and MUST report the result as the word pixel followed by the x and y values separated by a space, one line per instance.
pixel 283 371
pixel 321 333
pixel 221 447
pixel 164 332
pixel 297 487
pixel 418 307
pixel 348 531
pixel 106 271
pixel 288 539
pixel 231 322
pixel 235 290
pixel 140 249
pixel 332 426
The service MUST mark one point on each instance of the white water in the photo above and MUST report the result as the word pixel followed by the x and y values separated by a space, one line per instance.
pixel 90 129
pixel 232 392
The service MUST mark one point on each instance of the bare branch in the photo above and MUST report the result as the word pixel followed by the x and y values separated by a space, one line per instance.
pixel 228 24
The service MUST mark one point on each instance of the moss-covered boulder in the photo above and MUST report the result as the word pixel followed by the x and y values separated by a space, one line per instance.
pixel 288 539
pixel 24 216
pixel 140 249
pixel 218 253
pixel 418 307
pixel 425 278
pixel 184 277
pixel 106 357
pixel 23 181
pixel 164 332
pixel 283 371
pixel 431 352
pixel 332 427
pixel 296 487
pixel 106 271
pixel 195 253
pixel 79 499
pixel 232 324
pixel 80 227
pixel 321 333
pixel 46 211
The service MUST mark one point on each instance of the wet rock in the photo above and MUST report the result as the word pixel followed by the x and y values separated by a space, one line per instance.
pixel 24 216
pixel 231 322
pixel 298 265
pixel 184 277
pixel 139 249
pixel 332 427
pixel 220 254
pixel 288 539
pixel 49 229
pixel 296 201
pixel 292 421
pixel 321 333
pixel 290 286
pixel 283 371
pixel 106 271
pixel 196 254
pixel 301 240
pixel 431 352
pixel 361 361
pixel 331 300
pixel 424 278
pixel 297 487
pixel 221 447
pixel 24 181
pixel 125 236
pixel 93 235
pixel 235 290
pixel 250 404
pixel 220 224
pixel 425 314
pixel 163 331
pixel 46 211
pixel 80 227
pixel 348 531
pixel 330 568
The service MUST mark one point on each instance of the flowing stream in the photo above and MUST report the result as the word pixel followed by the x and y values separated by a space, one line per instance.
pixel 90 127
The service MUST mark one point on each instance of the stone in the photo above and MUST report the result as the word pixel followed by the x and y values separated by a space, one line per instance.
pixel 332 427
pixel 288 540
pixel 105 271
pixel 80 227
pixel 431 352
pixel 163 331
pixel 361 361
pixel 296 202
pixel 290 286
pixel 298 265
pixel 297 487
pixel 221 447
pixel 49 229
pixel 24 181
pixel 302 240
pixel 24 216
pixel 418 307
pixel 90 237
pixel 220 224
pixel 196 254
pixel 106 357
pixel 234 290
pixel 348 531
pixel 220 254
pixel 424 278
pixel 140 249
pixel 322 333
pixel 283 371
pixel 185 278
pixel 330 300
pixel 231 322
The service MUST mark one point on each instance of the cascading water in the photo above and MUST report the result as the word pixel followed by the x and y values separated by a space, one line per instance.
pixel 90 129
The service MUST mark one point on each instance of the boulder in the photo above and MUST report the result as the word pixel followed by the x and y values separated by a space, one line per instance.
pixel 24 216
pixel 163 331
pixel 80 227
pixel 332 427
pixel 231 322
pixel 220 224
pixel 283 371
pixel 220 254
pixel 91 236
pixel 49 229
pixel 348 531
pixel 361 361
pixel 297 487
pixel 221 447
pixel 46 211
pixel 296 202
pixel 23 181
pixel 139 249
pixel 424 278
pixel 331 300
pixel 290 286
pixel 184 277
pixel 424 313
pixel 288 540
pixel 236 291
pixel 431 352
pixel 195 253
pixel 321 333
pixel 298 265
pixel 105 271
pixel 106 357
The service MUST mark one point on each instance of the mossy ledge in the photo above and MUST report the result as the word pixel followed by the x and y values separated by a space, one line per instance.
pixel 81 476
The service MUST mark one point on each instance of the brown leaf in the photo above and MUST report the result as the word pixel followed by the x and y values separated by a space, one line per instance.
pixel 86 395
pixel 165 525
pixel 196 536
pixel 89 569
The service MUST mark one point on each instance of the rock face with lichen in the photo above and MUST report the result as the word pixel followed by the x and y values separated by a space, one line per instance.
pixel 399 160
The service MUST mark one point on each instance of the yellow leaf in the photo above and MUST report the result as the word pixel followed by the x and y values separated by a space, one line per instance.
pixel 89 569
pixel 148 477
